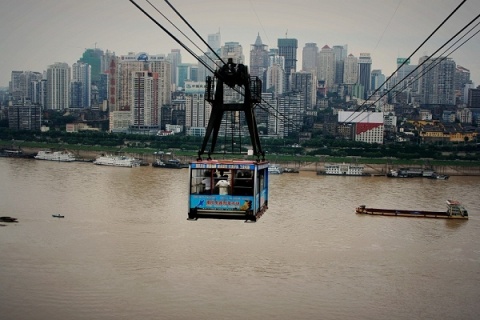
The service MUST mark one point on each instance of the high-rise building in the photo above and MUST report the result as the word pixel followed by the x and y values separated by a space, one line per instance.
pixel 145 104
pixel 341 53
pixel 291 112
pixel 158 64
pixel 258 58
pixel 436 86
pixel 306 83
pixel 326 64
pixel 309 57
pixel 58 86
pixel 350 70
pixel 121 84
pixel 474 98
pixel 21 86
pixel 364 70
pixel 175 58
pixel 462 78
pixel 232 50
pixel 121 74
pixel 81 86
pixel 214 40
pixel 93 57
pixel 287 48
pixel 184 73
pixel 197 110
pixel 275 80
pixel 378 79
pixel 405 79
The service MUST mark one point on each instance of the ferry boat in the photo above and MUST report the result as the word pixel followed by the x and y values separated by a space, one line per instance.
pixel 344 169
pixel 117 161
pixel 275 169
pixel 63 156
pixel 455 210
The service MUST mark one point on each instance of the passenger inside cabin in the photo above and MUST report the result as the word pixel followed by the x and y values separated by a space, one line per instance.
pixel 207 182
pixel 244 183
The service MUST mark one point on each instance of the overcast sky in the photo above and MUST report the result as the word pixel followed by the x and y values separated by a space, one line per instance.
pixel 37 33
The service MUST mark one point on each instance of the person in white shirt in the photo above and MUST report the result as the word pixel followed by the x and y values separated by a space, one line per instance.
pixel 222 186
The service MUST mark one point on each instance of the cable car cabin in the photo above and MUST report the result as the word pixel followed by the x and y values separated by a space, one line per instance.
pixel 228 189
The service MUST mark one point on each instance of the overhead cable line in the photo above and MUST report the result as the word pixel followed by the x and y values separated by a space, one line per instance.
pixel 407 59
pixel 435 62
pixel 193 29
pixel 191 41
pixel 170 34
pixel 441 58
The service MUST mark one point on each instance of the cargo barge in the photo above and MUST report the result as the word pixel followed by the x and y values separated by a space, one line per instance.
pixel 454 211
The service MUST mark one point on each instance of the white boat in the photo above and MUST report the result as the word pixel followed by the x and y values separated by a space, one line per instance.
pixel 63 156
pixel 117 161
pixel 275 169
pixel 344 169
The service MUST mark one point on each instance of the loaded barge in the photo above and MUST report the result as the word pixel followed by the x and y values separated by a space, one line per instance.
pixel 454 211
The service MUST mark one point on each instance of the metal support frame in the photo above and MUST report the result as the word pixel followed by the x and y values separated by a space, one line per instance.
pixel 232 75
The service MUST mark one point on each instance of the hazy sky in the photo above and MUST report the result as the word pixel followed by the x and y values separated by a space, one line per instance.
pixel 37 33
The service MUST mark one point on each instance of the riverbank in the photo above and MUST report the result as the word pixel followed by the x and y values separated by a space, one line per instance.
pixel 459 169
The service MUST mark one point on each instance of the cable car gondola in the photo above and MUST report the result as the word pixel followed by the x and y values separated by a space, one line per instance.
pixel 229 189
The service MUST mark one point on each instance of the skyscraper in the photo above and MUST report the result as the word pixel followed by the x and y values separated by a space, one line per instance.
pixel 326 67
pixel 58 86
pixel 350 70
pixel 81 85
pixel 214 41
pixel 340 56
pixel 309 57
pixel 306 83
pixel 22 85
pixel 175 58
pixel 145 103
pixel 437 83
pixel 287 48
pixel 364 68
pixel 93 57
pixel 258 58
pixel 232 50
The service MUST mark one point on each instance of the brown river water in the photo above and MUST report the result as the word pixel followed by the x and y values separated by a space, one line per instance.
pixel 125 249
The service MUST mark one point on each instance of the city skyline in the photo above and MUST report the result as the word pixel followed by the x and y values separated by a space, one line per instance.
pixel 37 34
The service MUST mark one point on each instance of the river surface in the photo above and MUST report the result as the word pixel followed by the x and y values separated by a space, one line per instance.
pixel 125 249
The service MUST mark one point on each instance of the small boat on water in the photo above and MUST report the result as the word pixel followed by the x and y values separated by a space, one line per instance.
pixel 58 216
pixel 455 210
pixel 62 156
pixel 117 161
pixel 8 219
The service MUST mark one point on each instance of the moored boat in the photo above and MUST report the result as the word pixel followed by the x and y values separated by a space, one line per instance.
pixel 455 210
pixel 275 169
pixel 58 216
pixel 62 156
pixel 117 161
pixel 171 164
pixel 343 169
